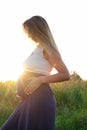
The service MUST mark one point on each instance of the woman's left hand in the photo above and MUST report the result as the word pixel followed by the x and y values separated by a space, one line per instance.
pixel 33 85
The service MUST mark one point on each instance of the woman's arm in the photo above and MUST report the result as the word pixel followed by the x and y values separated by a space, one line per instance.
pixel 56 61
pixel 62 75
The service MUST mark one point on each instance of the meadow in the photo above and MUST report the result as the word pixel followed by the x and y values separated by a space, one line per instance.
pixel 71 100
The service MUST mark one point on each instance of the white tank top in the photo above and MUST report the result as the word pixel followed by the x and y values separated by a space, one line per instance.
pixel 37 63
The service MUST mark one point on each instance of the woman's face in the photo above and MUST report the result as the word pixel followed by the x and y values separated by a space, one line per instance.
pixel 32 36
pixel 33 39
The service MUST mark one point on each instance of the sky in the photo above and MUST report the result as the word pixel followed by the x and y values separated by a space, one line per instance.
pixel 67 20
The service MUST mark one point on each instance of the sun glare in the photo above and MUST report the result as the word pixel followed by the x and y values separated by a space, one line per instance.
pixel 17 73
pixel 11 74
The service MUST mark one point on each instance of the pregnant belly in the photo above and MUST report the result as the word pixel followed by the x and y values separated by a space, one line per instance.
pixel 23 81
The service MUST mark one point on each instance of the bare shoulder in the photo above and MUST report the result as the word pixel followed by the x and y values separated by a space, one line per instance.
pixel 45 54
pixel 52 57
pixel 55 58
pixel 56 61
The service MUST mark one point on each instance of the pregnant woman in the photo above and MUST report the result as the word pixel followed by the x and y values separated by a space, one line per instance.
pixel 36 111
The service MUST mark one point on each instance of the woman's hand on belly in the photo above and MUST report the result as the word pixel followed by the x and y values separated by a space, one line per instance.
pixel 33 85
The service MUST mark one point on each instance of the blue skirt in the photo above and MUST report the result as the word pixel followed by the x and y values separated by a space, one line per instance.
pixel 35 112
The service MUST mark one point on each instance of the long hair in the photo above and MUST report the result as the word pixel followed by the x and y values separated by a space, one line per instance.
pixel 38 29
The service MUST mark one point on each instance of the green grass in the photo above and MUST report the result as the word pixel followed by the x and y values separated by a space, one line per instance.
pixel 71 112
pixel 71 100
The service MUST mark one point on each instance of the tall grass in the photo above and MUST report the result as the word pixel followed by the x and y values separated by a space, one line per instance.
pixel 71 112
pixel 8 101
pixel 71 101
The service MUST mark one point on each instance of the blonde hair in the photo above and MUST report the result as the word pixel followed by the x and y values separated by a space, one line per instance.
pixel 37 28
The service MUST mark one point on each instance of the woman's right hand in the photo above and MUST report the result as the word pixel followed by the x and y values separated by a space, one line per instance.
pixel 33 85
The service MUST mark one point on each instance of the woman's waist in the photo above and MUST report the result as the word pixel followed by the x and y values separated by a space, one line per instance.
pixel 38 70
pixel 27 75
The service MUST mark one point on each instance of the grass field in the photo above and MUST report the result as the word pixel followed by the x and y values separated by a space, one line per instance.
pixel 71 99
